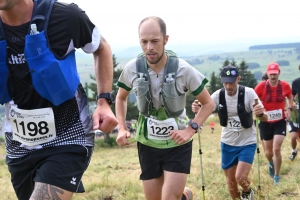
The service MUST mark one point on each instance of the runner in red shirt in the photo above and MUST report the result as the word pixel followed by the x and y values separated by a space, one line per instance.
pixel 212 126
pixel 272 93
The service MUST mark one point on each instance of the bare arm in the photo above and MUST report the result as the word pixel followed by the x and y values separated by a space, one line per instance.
pixel 103 117
pixel 207 106
pixel 121 109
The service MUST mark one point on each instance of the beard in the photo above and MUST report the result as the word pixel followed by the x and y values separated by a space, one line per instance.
pixel 153 62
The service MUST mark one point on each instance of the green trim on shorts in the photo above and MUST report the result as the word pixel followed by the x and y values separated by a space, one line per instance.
pixel 122 85
pixel 200 88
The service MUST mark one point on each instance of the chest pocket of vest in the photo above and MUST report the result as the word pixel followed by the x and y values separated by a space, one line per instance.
pixel 55 80
pixel 174 103
pixel 143 97
pixel 4 95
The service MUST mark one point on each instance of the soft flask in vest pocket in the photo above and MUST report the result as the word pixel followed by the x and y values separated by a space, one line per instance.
pixel 55 80
pixel 4 95
pixel 174 103
pixel 143 98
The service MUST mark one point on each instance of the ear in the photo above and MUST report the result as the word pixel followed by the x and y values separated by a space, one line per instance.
pixel 166 39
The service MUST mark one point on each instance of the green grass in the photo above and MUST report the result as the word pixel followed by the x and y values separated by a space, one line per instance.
pixel 115 172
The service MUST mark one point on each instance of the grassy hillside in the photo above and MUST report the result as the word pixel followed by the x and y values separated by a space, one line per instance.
pixel 114 172
pixel 262 57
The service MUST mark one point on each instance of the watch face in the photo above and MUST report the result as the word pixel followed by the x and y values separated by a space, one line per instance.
pixel 194 125
pixel 112 97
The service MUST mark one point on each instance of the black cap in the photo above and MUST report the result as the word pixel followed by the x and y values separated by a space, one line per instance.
pixel 229 74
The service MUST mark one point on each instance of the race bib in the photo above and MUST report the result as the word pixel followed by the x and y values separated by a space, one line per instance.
pixel 234 124
pixel 275 115
pixel 160 130
pixel 297 105
pixel 32 127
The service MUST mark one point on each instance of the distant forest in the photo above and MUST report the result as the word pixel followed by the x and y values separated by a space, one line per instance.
pixel 275 46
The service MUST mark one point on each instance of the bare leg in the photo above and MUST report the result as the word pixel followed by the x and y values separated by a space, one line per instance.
pixel 153 188
pixel 278 140
pixel 46 191
pixel 232 183
pixel 242 173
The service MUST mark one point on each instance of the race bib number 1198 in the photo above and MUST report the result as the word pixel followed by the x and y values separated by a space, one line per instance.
pixel 32 127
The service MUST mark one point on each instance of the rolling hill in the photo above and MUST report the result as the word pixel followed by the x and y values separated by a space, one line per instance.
pixel 206 64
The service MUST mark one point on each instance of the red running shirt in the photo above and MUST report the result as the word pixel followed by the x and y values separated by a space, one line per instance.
pixel 274 108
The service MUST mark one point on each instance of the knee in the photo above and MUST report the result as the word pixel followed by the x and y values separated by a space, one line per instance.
pixel 268 153
pixel 243 180
pixel 231 183
pixel 276 150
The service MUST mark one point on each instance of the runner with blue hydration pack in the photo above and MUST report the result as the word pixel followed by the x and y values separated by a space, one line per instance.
pixel 48 131
pixel 160 80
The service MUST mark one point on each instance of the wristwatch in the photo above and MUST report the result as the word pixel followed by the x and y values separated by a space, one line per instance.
pixel 109 96
pixel 194 126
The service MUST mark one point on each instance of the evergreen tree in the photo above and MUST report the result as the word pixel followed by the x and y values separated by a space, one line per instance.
pixel 213 83
pixel 248 78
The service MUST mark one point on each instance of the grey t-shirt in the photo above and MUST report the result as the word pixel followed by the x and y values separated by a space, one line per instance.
pixel 234 134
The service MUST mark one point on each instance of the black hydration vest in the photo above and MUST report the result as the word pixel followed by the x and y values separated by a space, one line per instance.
pixel 246 118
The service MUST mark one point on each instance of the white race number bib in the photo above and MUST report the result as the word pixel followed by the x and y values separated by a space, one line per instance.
pixel 160 130
pixel 234 124
pixel 275 115
pixel 32 127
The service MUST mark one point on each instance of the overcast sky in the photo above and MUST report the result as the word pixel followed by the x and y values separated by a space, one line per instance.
pixel 196 21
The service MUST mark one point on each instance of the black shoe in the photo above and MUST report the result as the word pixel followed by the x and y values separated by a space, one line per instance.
pixel 292 157
pixel 248 195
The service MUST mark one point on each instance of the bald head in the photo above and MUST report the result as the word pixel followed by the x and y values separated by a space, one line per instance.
pixel 160 22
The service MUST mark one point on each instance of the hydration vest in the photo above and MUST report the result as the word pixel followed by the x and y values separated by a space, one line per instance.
pixel 245 117
pixel 55 79
pixel 279 96
pixel 174 102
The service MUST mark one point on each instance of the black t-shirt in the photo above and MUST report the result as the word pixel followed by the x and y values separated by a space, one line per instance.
pixel 68 26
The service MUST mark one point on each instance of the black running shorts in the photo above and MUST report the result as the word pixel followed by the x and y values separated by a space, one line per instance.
pixel 61 166
pixel 154 161
pixel 268 130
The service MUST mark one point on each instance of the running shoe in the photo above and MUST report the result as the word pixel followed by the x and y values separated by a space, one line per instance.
pixel 188 194
pixel 293 156
pixel 271 169
pixel 248 195
pixel 276 180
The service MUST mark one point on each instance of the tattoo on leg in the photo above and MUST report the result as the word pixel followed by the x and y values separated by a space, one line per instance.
pixel 44 191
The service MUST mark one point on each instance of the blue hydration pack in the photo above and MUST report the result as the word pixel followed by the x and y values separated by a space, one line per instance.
pixel 54 79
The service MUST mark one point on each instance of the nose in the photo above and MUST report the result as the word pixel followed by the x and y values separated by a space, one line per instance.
pixel 149 46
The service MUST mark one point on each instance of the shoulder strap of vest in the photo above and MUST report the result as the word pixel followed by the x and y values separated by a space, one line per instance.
pixel 141 67
pixel 41 13
pixel 2 35
pixel 171 67
pixel 222 100
pixel 241 99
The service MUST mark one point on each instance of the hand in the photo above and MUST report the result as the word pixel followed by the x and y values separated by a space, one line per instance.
pixel 104 119
pixel 258 109
pixel 195 107
pixel 182 136
pixel 287 114
pixel 122 138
